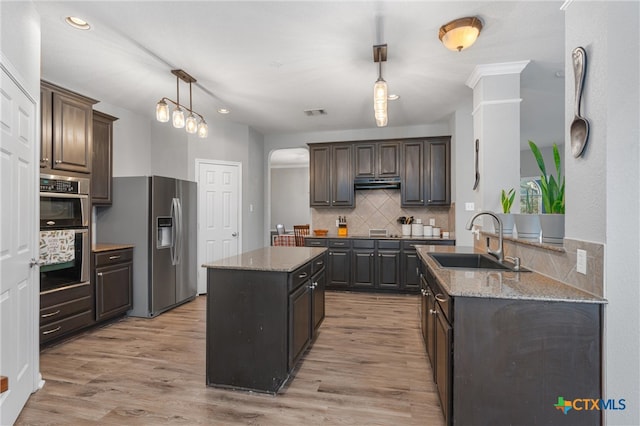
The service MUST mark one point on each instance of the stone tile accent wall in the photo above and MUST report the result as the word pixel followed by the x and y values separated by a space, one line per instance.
pixel 379 209
pixel 556 262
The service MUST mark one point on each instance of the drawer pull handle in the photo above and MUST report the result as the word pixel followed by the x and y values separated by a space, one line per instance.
pixel 51 314
pixel 51 331
pixel 114 257
pixel 338 244
pixel 100 274
pixel 303 275
pixel 440 298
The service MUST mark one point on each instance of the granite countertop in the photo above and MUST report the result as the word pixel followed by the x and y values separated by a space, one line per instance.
pixel 100 247
pixel 367 237
pixel 500 284
pixel 274 259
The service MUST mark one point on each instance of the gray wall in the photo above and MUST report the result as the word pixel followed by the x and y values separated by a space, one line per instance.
pixel 603 186
pixel 290 197
pixel 131 141
pixel 463 173
pixel 20 42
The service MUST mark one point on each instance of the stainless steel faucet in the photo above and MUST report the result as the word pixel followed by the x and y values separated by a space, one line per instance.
pixel 497 253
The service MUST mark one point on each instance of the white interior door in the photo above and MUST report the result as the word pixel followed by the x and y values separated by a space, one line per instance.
pixel 19 283
pixel 219 207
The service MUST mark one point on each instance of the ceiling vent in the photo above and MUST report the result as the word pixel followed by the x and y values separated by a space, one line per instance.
pixel 314 112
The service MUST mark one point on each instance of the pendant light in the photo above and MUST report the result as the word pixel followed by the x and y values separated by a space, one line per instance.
pixel 194 123
pixel 380 89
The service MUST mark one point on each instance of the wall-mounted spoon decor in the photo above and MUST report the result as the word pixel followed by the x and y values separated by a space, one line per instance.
pixel 579 130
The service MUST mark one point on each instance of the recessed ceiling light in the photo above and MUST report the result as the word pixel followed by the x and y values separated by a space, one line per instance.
pixel 78 23
pixel 393 97
pixel 223 111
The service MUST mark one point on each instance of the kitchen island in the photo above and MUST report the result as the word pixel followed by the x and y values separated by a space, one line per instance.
pixel 510 347
pixel 264 308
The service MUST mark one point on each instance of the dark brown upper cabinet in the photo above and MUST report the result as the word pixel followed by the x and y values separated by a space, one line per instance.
pixel 426 177
pixel 377 160
pixel 102 163
pixel 438 171
pixel 331 175
pixel 412 187
pixel 67 130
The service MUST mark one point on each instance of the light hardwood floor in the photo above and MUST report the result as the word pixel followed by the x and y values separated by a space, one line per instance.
pixel 367 367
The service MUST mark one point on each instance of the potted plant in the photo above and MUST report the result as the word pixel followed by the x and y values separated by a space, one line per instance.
pixel 506 199
pixel 552 188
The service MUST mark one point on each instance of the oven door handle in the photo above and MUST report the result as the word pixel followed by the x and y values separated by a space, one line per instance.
pixel 63 195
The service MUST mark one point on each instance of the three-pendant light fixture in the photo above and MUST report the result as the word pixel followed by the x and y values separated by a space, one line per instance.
pixel 191 124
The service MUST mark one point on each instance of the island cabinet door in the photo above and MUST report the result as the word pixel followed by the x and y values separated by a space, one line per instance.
pixel 318 282
pixel 299 322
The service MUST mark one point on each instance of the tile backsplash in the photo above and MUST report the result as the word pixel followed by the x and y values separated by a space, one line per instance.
pixel 379 209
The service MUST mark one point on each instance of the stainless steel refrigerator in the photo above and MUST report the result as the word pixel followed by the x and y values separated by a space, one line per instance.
pixel 158 214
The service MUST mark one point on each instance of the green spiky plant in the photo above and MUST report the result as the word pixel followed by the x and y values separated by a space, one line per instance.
pixel 506 199
pixel 552 187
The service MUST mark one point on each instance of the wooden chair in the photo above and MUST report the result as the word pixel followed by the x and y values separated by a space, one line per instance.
pixel 300 231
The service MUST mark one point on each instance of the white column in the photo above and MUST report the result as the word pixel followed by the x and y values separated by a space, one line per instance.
pixel 496 124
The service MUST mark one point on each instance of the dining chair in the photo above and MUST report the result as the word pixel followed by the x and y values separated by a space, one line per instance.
pixel 300 231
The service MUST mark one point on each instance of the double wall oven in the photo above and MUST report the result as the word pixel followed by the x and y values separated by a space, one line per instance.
pixel 64 232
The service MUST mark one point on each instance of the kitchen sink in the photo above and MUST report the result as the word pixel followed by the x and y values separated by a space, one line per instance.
pixel 470 261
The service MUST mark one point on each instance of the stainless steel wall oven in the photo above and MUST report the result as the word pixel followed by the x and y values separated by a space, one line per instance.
pixel 64 231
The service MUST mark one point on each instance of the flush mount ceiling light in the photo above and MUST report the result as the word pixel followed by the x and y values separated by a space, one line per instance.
pixel 380 89
pixel 78 23
pixel 191 124
pixel 461 33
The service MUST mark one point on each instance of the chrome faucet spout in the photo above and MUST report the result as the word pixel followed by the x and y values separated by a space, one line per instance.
pixel 499 254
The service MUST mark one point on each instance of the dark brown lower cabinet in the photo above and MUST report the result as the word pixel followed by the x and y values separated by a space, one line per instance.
pixel 300 322
pixel 65 310
pixel 318 283
pixel 443 339
pixel 259 324
pixel 507 361
pixel 113 283
pixel 339 268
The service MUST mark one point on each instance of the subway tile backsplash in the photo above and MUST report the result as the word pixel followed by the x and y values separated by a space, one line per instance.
pixel 379 209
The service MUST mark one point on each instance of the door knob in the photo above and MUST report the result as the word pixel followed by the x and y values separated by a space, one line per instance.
pixel 33 262
pixel 235 234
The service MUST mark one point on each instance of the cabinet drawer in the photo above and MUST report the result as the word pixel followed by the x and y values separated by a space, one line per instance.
pixel 388 245
pixel 340 243
pixel 65 309
pixel 367 244
pixel 64 294
pixel 318 263
pixel 315 242
pixel 299 276
pixel 114 256
pixel 67 325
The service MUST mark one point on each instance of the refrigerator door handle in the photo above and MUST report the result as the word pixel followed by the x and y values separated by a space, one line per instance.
pixel 174 218
pixel 180 232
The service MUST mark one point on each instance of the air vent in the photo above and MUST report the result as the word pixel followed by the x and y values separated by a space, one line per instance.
pixel 314 112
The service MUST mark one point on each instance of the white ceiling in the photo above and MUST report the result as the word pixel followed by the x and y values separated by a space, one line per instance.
pixel 267 61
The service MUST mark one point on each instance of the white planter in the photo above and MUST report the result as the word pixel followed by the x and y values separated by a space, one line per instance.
pixel 552 226
pixel 507 223
pixel 527 226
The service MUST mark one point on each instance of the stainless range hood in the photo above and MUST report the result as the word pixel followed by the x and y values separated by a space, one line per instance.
pixel 377 183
